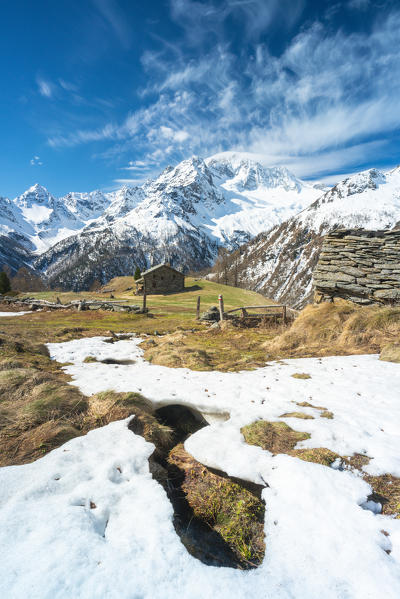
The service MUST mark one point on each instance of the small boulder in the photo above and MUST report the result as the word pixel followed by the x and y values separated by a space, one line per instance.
pixel 212 315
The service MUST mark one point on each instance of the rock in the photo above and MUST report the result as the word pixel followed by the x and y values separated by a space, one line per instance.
pixel 117 308
pixel 388 294
pixel 323 285
pixel 212 314
pixel 353 289
pixel 391 353
pixel 334 276
pixel 359 265
pixel 350 270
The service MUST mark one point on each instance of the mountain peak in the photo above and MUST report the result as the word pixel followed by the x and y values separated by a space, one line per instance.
pixel 37 194
pixel 248 172
pixel 356 184
pixel 37 189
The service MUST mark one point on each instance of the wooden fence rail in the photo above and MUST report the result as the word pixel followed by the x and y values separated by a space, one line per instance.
pixel 271 310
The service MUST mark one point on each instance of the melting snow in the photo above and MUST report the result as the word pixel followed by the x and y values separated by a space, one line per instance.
pixel 321 541
pixel 13 313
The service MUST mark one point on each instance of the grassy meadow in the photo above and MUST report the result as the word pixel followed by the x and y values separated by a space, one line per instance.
pixel 39 410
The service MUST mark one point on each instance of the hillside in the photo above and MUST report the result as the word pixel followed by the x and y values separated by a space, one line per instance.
pixel 280 262
pixel 172 310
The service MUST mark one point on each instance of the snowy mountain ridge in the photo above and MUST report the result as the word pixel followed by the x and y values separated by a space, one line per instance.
pixel 193 187
pixel 188 212
pixel 280 262
pixel 183 215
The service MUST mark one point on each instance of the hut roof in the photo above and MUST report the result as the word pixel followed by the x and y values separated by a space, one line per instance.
pixel 154 268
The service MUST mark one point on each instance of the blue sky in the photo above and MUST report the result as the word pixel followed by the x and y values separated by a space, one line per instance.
pixel 98 93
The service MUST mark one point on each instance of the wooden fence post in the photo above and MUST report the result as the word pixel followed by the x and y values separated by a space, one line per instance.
pixel 221 307
pixel 198 308
pixel 144 296
pixel 284 314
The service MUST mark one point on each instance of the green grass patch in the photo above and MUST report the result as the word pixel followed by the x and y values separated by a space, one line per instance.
pixel 230 509
pixel 276 437
pixel 90 359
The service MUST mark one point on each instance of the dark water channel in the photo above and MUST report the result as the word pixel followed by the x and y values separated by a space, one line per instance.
pixel 197 536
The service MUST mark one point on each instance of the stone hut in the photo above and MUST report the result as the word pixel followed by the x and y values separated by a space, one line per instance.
pixel 160 279
pixel 359 265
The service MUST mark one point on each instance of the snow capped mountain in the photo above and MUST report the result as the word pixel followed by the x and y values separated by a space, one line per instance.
pixel 39 220
pixel 183 215
pixel 280 263
pixel 119 205
pixel 258 197
pixel 86 206
pixel 187 213
pixel 369 199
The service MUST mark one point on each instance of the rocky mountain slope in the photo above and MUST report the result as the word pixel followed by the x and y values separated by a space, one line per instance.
pixel 279 263
pixel 183 217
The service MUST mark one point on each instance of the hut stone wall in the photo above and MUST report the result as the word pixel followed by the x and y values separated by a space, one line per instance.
pixel 164 279
pixel 359 265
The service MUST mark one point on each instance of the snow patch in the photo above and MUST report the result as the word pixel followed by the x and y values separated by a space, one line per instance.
pixel 88 520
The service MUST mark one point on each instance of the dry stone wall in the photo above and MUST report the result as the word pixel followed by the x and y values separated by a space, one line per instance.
pixel 359 265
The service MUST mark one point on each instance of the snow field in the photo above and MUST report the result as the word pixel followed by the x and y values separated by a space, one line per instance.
pixel 320 541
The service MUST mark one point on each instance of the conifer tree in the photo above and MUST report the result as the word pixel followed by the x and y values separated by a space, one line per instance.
pixel 137 274
pixel 5 285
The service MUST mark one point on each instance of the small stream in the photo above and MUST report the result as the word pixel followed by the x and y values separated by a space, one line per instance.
pixel 200 540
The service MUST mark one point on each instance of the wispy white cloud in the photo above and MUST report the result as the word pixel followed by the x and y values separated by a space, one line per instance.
pixel 109 131
pixel 359 4
pixel 199 19
pixel 45 87
pixel 35 161
pixel 115 18
pixel 68 86
pixel 328 102
pixel 131 182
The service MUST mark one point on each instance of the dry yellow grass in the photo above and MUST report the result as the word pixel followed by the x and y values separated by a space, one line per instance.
pixel 40 410
pixel 391 352
pixel 339 328
pixel 301 415
pixel 212 349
